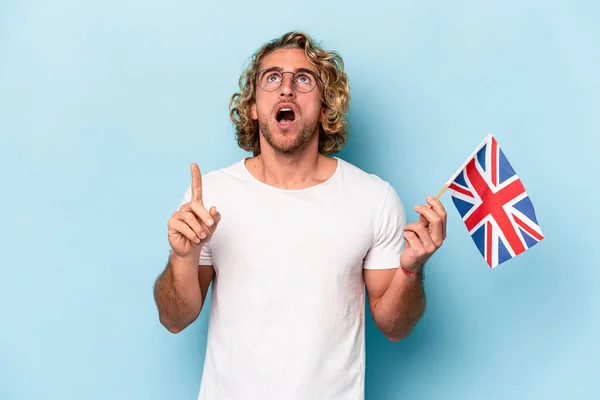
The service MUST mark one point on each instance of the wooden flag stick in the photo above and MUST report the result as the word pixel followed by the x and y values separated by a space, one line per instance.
pixel 439 194
pixel 442 191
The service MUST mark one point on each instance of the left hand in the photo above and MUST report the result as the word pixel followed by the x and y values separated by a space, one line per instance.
pixel 424 237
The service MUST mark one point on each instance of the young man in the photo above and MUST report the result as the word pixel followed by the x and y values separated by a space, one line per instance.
pixel 302 234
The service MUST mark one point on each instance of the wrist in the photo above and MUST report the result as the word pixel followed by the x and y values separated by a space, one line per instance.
pixel 411 272
pixel 192 258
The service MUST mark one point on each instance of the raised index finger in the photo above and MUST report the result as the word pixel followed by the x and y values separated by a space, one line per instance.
pixel 196 183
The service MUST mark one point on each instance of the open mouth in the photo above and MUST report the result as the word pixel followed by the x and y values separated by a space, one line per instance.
pixel 285 115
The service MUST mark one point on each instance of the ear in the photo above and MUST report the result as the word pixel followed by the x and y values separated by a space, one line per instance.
pixel 253 113
pixel 323 113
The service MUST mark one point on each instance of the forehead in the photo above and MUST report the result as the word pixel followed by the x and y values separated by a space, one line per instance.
pixel 288 59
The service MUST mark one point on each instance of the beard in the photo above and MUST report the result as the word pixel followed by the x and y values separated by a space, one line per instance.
pixel 288 146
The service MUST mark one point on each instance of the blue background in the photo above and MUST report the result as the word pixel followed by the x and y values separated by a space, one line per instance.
pixel 104 104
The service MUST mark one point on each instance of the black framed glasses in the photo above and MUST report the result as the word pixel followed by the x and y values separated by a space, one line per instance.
pixel 304 80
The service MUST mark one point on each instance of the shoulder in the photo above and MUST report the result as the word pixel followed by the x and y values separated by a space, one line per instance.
pixel 370 189
pixel 363 181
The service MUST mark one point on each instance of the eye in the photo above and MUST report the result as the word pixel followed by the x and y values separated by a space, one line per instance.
pixel 304 79
pixel 273 76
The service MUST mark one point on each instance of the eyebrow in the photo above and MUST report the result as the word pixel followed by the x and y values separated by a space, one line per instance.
pixel 297 70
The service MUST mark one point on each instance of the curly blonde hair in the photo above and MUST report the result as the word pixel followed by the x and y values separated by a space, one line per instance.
pixel 335 94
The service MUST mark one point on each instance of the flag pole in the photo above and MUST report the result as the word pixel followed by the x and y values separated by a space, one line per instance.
pixel 439 194
pixel 442 191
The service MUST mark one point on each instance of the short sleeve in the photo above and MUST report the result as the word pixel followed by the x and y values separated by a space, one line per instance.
pixel 388 241
pixel 205 252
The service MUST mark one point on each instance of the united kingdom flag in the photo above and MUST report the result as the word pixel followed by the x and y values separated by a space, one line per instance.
pixel 494 205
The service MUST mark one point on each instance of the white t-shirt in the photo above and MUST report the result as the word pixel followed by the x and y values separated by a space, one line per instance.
pixel 287 311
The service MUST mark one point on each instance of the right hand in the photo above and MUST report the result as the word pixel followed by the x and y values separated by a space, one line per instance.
pixel 192 226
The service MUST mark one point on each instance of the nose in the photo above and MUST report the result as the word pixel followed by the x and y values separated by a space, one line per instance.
pixel 287 90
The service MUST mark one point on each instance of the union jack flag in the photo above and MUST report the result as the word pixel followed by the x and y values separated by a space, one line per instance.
pixel 494 205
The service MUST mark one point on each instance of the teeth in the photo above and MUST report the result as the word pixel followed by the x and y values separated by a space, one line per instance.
pixel 285 109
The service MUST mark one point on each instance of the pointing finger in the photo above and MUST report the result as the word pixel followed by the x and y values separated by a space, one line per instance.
pixel 196 183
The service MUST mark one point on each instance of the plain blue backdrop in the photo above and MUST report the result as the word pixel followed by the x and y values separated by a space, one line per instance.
pixel 104 104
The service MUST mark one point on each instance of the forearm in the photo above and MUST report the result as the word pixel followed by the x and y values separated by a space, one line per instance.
pixel 177 293
pixel 401 306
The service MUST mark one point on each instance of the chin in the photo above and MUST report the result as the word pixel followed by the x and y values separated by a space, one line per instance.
pixel 284 140
pixel 286 146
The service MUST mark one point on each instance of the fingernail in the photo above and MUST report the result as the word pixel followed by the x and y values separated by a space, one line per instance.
pixel 202 235
pixel 429 198
pixel 210 221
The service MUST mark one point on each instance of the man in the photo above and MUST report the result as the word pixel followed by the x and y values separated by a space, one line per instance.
pixel 302 234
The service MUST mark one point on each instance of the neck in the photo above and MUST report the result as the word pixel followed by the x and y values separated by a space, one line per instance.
pixel 299 170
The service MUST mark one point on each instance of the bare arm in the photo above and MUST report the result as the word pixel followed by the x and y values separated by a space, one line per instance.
pixel 181 288
pixel 396 300
pixel 180 292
